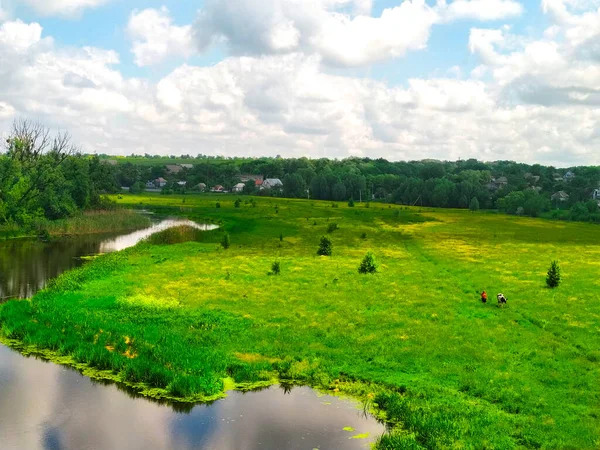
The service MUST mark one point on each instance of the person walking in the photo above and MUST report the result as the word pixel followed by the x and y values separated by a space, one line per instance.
pixel 484 297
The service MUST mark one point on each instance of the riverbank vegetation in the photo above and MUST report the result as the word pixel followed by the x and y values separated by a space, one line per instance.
pixel 44 178
pixel 411 338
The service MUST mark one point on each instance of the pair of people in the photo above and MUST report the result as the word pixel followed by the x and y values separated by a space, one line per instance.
pixel 501 298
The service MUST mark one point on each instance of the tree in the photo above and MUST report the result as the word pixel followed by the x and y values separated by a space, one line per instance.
pixel 294 186
pixel 325 247
pixel 351 203
pixel 226 241
pixel 474 205
pixel 553 278
pixel 368 264
pixel 339 192
pixel 237 203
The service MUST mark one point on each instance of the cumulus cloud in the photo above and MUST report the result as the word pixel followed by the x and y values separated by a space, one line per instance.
pixel 528 100
pixel 62 7
pixel 156 38
pixel 483 10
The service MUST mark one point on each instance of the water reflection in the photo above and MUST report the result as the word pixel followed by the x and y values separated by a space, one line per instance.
pixel 46 406
pixel 26 265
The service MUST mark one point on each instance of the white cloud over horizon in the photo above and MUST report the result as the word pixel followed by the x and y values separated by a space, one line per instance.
pixel 532 100
pixel 65 8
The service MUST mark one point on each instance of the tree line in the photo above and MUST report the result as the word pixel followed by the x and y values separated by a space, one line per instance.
pixel 45 177
pixel 515 188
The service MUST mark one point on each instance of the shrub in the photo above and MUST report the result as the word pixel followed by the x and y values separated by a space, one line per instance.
pixel 226 241
pixel 363 236
pixel 474 205
pixel 237 203
pixel 553 278
pixel 351 203
pixel 324 247
pixel 368 264
pixel 367 205
pixel 332 227
pixel 218 205
pixel 275 268
pixel 281 237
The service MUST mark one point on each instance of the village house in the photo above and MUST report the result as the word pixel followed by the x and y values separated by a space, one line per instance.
pixel 187 166
pixel 200 187
pixel 182 183
pixel 239 187
pixel 244 178
pixel 160 182
pixel 596 194
pixel 272 183
pixel 497 183
pixel 150 185
pixel 218 188
pixel 560 196
pixel 568 176
pixel 174 169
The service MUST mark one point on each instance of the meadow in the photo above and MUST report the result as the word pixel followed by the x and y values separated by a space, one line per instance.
pixel 190 320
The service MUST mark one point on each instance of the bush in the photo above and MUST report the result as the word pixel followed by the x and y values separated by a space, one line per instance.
pixel 368 264
pixel 281 237
pixel 237 203
pixel 363 236
pixel 332 227
pixel 553 278
pixel 275 268
pixel 351 203
pixel 226 241
pixel 324 247
pixel 218 205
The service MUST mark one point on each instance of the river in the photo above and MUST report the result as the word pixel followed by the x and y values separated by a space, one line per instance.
pixel 44 406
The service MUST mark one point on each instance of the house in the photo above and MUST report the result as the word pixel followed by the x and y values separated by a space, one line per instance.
pixel 557 177
pixel 160 182
pixel 497 183
pixel 569 176
pixel 201 187
pixel 258 183
pixel 218 188
pixel 244 178
pixel 239 187
pixel 187 166
pixel 560 196
pixel 272 183
pixel 182 183
pixel 174 169
pixel 596 194
pixel 150 185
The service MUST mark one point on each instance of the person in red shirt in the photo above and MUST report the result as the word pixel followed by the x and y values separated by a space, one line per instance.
pixel 484 297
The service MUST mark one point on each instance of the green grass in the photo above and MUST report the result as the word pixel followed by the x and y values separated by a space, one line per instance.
pixel 411 340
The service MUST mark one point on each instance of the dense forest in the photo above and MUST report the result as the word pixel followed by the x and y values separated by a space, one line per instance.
pixel 44 177
pixel 511 187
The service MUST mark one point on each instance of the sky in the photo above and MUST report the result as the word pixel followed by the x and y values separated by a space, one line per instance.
pixel 402 80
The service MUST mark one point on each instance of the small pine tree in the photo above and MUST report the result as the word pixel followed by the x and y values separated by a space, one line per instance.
pixel 324 247
pixel 474 205
pixel 351 203
pixel 281 237
pixel 553 278
pixel 363 236
pixel 226 241
pixel 368 264
pixel 218 205
pixel 332 227
pixel 275 268
pixel 237 203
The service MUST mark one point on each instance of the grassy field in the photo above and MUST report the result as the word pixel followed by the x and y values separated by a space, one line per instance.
pixel 413 340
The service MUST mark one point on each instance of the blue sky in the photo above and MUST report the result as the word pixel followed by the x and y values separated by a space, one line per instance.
pixel 492 79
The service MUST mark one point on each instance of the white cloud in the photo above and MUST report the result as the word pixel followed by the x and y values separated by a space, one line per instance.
pixel 528 100
pixel 62 7
pixel 483 10
pixel 156 38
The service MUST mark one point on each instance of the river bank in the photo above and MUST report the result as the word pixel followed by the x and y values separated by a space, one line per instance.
pixel 89 222
pixel 412 339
